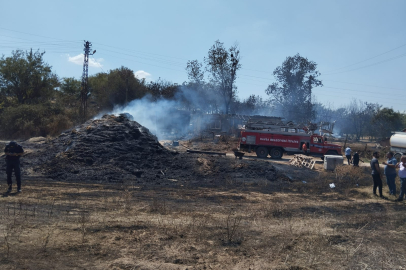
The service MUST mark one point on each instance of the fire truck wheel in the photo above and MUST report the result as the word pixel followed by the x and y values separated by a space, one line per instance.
pixel 276 153
pixel 262 152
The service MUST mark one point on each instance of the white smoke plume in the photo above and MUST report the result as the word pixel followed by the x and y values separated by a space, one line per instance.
pixel 182 115
pixel 164 118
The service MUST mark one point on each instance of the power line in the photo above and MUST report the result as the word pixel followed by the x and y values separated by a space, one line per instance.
pixel 99 65
pixel 257 70
pixel 57 45
pixel 387 60
pixel 36 35
pixel 352 90
pixel 368 58
pixel 164 61
pixel 365 85
pixel 169 62
pixel 126 59
pixel 178 63
pixel 177 58
pixel 141 52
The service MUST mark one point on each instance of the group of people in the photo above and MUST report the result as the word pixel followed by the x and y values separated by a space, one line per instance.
pixel 390 173
pixel 354 160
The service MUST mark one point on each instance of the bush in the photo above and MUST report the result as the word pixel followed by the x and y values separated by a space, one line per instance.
pixel 27 121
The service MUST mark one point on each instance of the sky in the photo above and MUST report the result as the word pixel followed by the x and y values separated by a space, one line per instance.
pixel 358 45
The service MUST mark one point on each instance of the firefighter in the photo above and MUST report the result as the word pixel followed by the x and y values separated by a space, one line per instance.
pixel 304 148
pixel 13 153
pixel 355 159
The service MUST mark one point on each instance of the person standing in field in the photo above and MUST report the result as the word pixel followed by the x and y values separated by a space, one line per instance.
pixel 355 159
pixel 348 154
pixel 13 153
pixel 402 175
pixel 390 173
pixel 304 148
pixel 376 174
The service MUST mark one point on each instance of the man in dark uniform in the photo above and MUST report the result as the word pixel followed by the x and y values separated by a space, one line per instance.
pixel 355 159
pixel 13 153
pixel 376 174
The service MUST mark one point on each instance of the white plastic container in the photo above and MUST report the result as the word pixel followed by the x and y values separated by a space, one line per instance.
pixel 331 162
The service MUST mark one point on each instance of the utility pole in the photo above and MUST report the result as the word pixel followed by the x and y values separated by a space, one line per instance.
pixel 85 90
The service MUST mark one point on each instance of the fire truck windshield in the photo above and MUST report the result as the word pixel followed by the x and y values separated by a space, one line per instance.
pixel 317 140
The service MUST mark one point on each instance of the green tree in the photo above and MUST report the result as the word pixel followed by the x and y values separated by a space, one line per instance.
pixel 198 97
pixel 125 86
pixel 100 93
pixel 385 121
pixel 30 120
pixel 70 86
pixel 403 115
pixel 324 113
pixel 117 87
pixel 223 64
pixel 198 94
pixel 195 71
pixel 358 119
pixel 253 105
pixel 292 91
pixel 69 98
pixel 25 77
pixel 162 89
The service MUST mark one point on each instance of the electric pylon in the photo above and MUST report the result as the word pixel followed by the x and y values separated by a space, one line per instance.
pixel 85 90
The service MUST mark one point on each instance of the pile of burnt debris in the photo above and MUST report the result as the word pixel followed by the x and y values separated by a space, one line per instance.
pixel 118 149
pixel 109 148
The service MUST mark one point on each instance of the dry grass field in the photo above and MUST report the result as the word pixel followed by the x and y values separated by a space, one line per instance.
pixel 283 224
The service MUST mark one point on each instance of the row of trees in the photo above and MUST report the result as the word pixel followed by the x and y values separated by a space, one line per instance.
pixel 34 101
pixel 362 119
pixel 290 94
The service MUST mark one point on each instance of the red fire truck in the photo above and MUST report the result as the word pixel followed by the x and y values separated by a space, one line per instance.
pixel 275 142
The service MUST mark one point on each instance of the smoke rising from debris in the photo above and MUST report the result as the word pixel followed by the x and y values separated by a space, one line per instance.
pixel 161 117
pixel 176 117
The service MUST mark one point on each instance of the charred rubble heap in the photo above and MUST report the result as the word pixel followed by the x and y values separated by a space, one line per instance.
pixel 116 149
pixel 110 148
